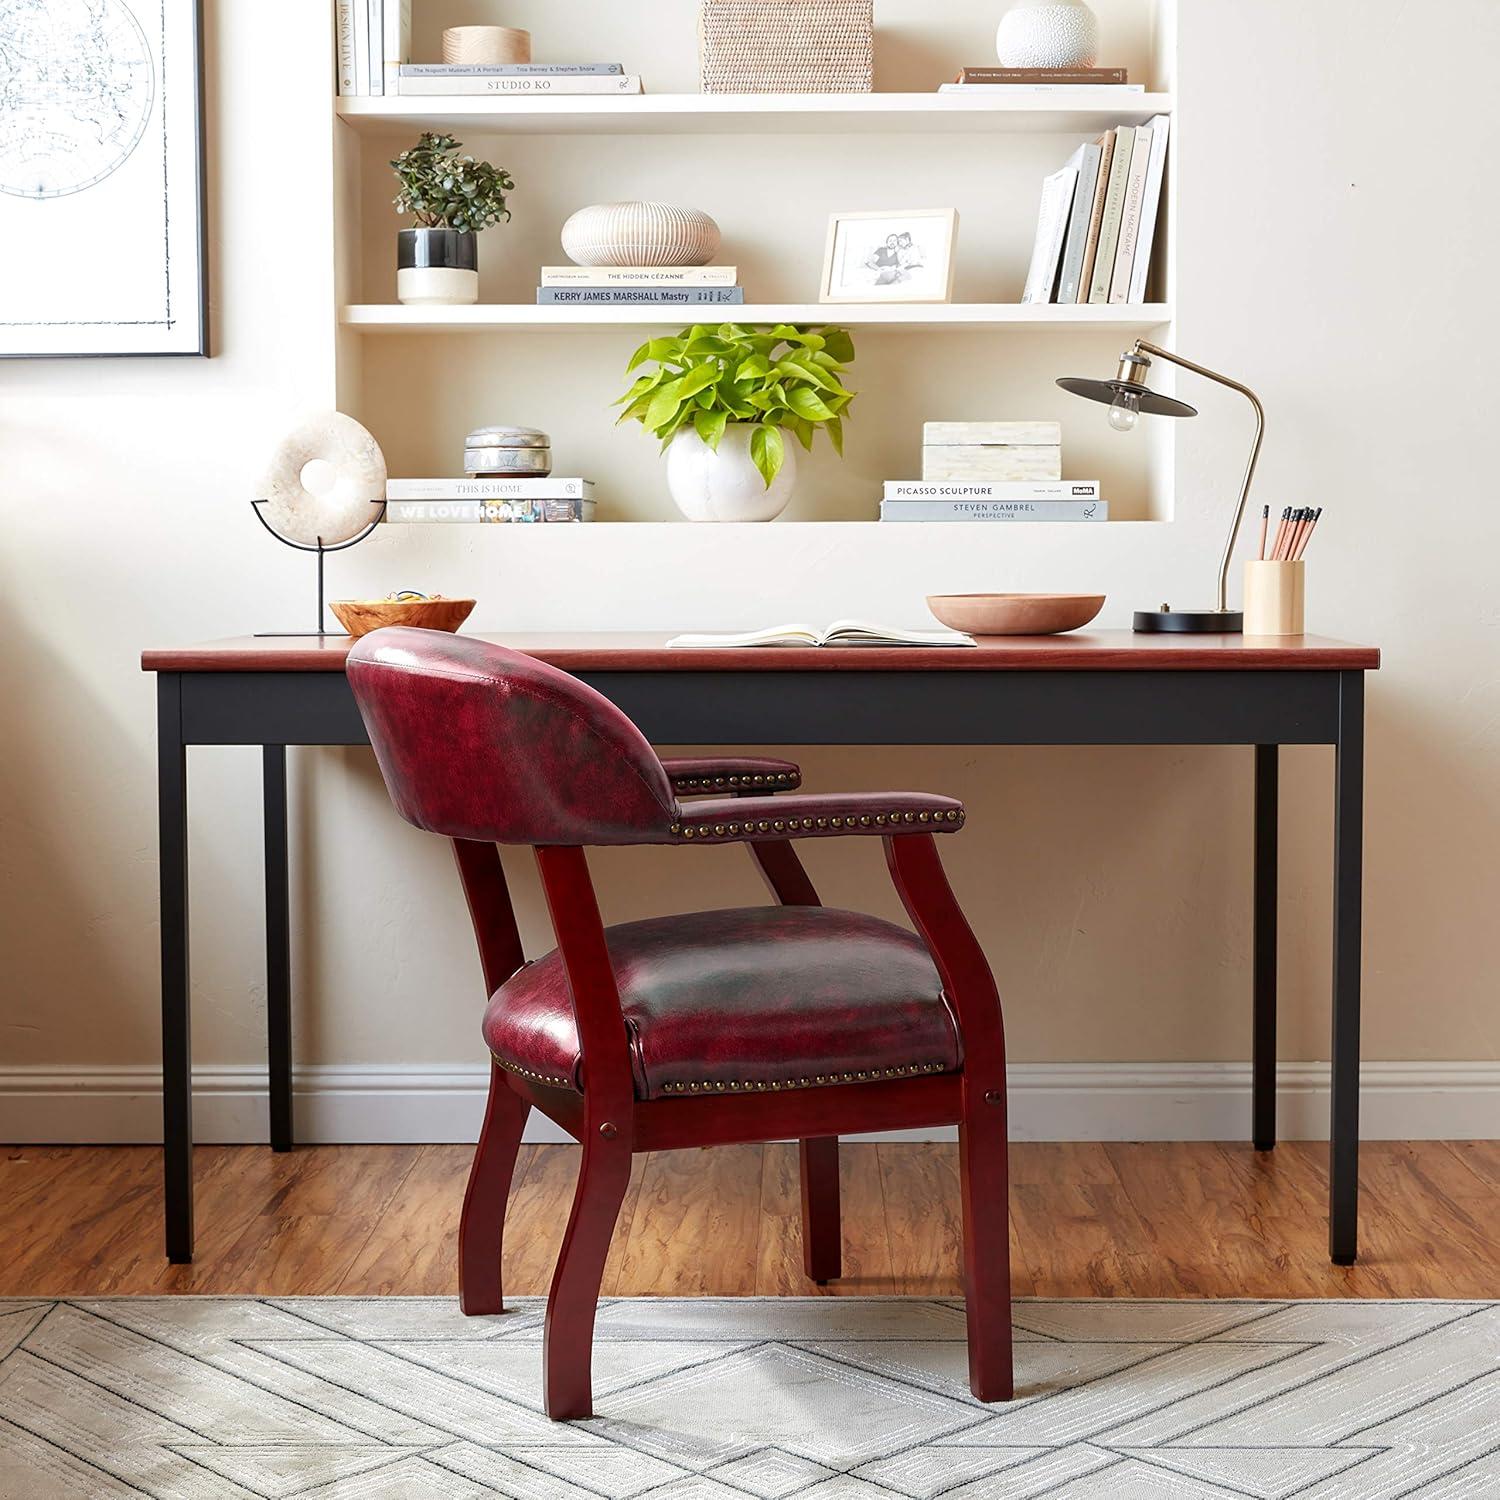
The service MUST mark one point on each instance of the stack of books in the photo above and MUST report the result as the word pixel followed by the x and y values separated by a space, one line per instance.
pixel 640 286
pixel 996 500
pixel 489 500
pixel 374 57
pixel 1098 217
pixel 1101 82
pixel 552 80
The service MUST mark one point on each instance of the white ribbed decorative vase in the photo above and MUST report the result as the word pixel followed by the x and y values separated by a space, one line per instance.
pixel 723 484
pixel 640 234
pixel 1064 34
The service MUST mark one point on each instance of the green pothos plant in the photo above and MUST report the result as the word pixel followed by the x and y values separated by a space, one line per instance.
pixel 779 379
pixel 442 189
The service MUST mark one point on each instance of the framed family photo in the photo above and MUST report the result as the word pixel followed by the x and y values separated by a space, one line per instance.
pixel 101 178
pixel 895 255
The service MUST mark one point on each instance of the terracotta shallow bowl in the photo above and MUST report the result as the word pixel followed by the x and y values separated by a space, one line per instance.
pixel 1015 614
pixel 361 616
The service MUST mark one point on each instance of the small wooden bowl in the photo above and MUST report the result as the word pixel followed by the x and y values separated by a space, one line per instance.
pixel 1015 614
pixel 361 616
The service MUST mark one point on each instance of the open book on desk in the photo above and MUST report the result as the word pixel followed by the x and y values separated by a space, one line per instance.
pixel 840 633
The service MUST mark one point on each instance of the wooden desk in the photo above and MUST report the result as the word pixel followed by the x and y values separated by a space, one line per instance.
pixel 1101 688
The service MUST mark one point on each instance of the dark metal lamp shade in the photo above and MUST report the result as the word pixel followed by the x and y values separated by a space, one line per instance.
pixel 1106 391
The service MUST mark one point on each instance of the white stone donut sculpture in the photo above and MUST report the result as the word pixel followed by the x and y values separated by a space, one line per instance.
pixel 324 481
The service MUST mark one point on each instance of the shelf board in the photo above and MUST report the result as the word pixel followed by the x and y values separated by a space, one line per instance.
pixel 1063 111
pixel 914 317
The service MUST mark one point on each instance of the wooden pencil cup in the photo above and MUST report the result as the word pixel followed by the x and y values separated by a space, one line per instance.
pixel 490 45
pixel 1274 595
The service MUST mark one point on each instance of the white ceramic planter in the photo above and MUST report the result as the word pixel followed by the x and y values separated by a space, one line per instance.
pixel 723 484
pixel 436 286
pixel 1064 34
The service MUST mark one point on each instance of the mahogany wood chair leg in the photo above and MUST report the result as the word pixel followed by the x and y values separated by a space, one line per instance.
pixel 970 986
pixel 822 1248
pixel 481 1229
pixel 568 1335
pixel 985 1190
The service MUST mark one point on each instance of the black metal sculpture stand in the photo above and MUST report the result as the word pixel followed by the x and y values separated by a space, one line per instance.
pixel 321 551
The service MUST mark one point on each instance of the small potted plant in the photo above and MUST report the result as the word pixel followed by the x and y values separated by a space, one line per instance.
pixel 723 401
pixel 451 197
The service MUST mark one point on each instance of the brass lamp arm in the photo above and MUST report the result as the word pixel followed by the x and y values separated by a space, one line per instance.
pixel 1142 346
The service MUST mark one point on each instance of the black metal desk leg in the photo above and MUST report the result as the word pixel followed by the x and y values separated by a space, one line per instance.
pixel 1263 1042
pixel 278 949
pixel 176 1043
pixel 1348 846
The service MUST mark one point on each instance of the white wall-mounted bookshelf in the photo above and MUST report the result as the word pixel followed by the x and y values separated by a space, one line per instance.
pixel 769 168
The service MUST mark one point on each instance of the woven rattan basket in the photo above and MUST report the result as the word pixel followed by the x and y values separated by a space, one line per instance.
pixel 786 46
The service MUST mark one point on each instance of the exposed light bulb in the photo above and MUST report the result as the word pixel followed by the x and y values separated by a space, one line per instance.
pixel 1124 411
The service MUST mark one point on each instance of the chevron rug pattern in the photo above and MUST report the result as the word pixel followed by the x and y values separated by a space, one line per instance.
pixel 205 1398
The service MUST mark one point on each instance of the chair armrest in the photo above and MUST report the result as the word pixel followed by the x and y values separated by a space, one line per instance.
pixel 828 815
pixel 704 775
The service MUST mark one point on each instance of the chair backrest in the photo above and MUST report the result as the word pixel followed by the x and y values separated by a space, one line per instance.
pixel 479 742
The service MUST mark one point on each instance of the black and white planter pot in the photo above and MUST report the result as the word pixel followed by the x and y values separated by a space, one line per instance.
pixel 437 267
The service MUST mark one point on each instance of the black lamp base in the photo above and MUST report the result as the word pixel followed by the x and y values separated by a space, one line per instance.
pixel 1189 622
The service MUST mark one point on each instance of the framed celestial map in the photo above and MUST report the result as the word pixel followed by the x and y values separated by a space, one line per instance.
pixel 101 178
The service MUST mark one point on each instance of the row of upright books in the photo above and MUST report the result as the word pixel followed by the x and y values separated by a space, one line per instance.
pixel 640 286
pixel 1097 223
pixel 374 58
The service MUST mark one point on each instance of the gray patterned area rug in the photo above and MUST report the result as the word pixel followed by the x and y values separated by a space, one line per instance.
pixel 718 1399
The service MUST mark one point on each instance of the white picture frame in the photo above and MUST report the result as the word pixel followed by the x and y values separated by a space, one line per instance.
pixel 890 255
pixel 109 224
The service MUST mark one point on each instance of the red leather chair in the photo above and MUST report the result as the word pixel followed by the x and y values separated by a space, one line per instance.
pixel 791 1021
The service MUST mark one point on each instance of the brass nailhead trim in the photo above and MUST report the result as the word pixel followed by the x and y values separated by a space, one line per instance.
pixel 793 825
pixel 510 1067
pixel 718 783
pixel 819 1080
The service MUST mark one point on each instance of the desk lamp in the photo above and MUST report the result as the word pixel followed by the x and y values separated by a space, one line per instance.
pixel 1127 396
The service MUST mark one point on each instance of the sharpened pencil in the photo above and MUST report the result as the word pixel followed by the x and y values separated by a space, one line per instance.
pixel 1303 531
pixel 1294 533
pixel 1265 516
pixel 1306 536
pixel 1286 518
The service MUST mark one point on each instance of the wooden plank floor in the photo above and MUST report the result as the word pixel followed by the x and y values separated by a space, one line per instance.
pixel 1155 1220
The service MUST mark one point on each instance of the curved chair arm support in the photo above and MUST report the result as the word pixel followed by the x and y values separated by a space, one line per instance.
pixel 917 873
pixel 776 859
pixel 715 775
pixel 826 815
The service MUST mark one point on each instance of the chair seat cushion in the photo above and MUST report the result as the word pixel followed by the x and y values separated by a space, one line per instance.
pixel 742 1001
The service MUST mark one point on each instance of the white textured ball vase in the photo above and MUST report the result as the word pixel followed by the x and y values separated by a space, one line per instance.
pixel 640 234
pixel 1064 34
pixel 723 484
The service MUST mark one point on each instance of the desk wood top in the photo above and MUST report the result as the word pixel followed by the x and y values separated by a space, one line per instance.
pixel 603 651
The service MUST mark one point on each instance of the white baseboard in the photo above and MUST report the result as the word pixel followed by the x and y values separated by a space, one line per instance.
pixel 1049 1102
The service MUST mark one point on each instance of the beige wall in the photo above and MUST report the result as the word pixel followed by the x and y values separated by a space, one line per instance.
pixel 1336 242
